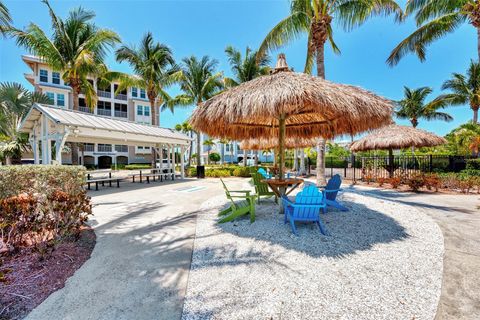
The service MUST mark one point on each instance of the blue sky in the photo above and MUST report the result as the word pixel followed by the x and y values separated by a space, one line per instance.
pixel 207 27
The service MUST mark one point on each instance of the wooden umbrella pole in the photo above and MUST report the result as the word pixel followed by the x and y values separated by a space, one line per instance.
pixel 281 144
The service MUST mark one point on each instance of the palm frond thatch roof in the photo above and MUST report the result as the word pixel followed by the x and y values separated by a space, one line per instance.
pixel 396 137
pixel 313 107
pixel 272 143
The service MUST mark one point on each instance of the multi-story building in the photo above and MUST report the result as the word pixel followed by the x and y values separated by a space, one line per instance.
pixel 131 104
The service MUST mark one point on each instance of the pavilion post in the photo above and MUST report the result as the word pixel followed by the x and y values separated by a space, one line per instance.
pixel 182 162
pixel 173 161
pixel 390 163
pixel 281 144
pixel 161 158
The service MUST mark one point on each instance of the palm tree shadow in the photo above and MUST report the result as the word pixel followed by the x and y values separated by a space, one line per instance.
pixel 359 229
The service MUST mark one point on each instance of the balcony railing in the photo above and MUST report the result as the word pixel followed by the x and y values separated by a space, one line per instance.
pixel 121 96
pixel 121 114
pixel 85 109
pixel 104 148
pixel 104 94
pixel 104 112
pixel 121 148
pixel 88 148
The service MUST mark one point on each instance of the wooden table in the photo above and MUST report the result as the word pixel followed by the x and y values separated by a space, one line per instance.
pixel 280 187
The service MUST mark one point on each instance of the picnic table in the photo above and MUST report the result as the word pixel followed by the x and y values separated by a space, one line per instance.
pixel 153 173
pixel 104 178
pixel 281 187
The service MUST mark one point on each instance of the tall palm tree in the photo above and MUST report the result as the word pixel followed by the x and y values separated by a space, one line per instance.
pixel 186 128
pixel 245 68
pixel 5 18
pixel 435 19
pixel 413 106
pixel 77 48
pixel 466 138
pixel 223 142
pixel 199 82
pixel 209 143
pixel 15 102
pixel 154 68
pixel 464 89
pixel 314 18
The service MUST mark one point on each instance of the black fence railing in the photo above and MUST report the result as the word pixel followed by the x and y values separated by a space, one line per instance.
pixel 371 168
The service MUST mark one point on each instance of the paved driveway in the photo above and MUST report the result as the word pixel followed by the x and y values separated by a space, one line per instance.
pixel 140 264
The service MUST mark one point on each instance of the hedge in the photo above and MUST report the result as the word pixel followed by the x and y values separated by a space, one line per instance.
pixel 222 171
pixel 138 166
pixel 473 164
pixel 41 204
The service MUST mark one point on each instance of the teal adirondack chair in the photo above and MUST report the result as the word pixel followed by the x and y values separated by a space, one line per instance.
pixel 261 188
pixel 238 208
pixel 264 173
pixel 306 207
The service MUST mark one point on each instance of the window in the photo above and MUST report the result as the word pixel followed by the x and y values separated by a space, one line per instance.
pixel 51 96
pixel 121 110
pixel 104 147
pixel 139 110
pixel 142 93
pixel 121 148
pixel 55 77
pixel 60 100
pixel 104 108
pixel 146 111
pixel 43 75
pixel 134 92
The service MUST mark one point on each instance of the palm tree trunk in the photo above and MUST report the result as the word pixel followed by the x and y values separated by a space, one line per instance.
pixel 321 180
pixel 191 150
pixel 73 145
pixel 475 115
pixel 478 43
pixel 244 158
pixel 222 160
pixel 154 122
pixel 199 157
pixel 231 153
pixel 256 158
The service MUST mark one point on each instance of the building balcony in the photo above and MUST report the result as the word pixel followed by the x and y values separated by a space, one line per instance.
pixel 104 148
pixel 121 96
pixel 104 94
pixel 121 148
pixel 88 148
pixel 104 112
pixel 85 109
pixel 121 114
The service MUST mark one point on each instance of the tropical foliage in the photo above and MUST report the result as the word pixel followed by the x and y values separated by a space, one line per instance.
pixel 465 139
pixel 413 106
pixel 15 102
pixel 245 68
pixel 5 18
pixel 186 128
pixel 465 90
pixel 154 68
pixel 435 19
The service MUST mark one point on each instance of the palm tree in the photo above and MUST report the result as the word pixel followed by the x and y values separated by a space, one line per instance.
pixel 464 89
pixel 266 153
pixel 435 19
pixel 245 68
pixel 5 18
pixel 209 143
pixel 186 128
pixel 15 102
pixel 314 18
pixel 154 68
pixel 199 82
pixel 77 48
pixel 223 142
pixel 413 106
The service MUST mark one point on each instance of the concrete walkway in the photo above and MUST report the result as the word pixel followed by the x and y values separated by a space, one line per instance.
pixel 140 264
pixel 459 218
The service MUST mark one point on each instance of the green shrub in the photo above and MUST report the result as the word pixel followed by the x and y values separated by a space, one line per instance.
pixel 217 173
pixel 241 172
pixel 470 173
pixel 214 157
pixel 138 166
pixel 192 172
pixel 41 204
pixel 415 182
pixel 473 164
pixel 118 166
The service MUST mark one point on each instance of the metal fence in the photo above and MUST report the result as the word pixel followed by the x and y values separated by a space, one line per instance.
pixel 371 168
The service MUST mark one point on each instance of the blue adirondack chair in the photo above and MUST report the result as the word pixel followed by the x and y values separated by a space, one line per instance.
pixel 330 192
pixel 306 207
pixel 264 173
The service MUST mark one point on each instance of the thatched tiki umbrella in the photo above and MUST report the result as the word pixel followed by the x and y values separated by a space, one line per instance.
pixel 396 137
pixel 288 104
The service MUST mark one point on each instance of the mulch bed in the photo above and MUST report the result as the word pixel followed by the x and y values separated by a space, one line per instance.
pixel 30 278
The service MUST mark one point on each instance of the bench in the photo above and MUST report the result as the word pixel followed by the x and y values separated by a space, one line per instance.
pixel 102 181
pixel 153 173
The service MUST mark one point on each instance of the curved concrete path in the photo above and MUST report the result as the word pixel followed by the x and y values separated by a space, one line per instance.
pixel 140 264
pixel 458 216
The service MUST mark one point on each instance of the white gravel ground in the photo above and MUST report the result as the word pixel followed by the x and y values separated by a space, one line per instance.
pixel 383 260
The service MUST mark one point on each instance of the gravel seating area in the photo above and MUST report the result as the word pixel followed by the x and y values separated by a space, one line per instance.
pixel 383 260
